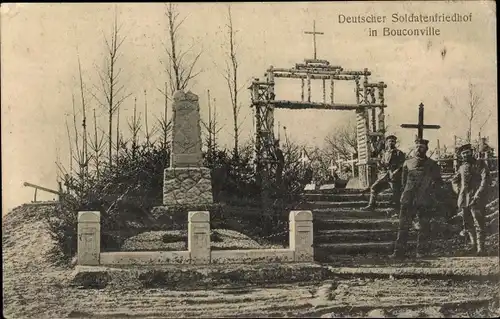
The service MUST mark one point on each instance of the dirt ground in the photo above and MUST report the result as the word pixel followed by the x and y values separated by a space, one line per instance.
pixel 34 288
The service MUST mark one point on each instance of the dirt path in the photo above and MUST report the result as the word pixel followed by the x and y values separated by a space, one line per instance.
pixel 33 288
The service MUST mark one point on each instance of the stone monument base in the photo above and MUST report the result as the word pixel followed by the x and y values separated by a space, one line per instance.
pixel 187 186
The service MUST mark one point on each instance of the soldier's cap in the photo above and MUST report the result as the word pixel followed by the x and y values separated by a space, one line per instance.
pixel 465 147
pixel 391 137
pixel 421 141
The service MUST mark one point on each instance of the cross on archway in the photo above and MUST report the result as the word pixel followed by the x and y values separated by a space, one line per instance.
pixel 314 36
pixel 420 126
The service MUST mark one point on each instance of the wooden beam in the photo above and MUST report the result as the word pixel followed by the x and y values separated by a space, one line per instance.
pixel 316 61
pixel 319 67
pixel 314 76
pixel 375 85
pixel 41 188
pixel 306 71
pixel 297 105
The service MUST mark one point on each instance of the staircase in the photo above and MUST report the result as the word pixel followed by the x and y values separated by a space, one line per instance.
pixel 343 230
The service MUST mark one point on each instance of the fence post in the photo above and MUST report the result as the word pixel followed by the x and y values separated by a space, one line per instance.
pixel 89 238
pixel 199 237
pixel 301 235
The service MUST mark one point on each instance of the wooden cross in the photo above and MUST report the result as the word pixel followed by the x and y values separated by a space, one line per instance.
pixel 314 36
pixel 332 167
pixel 304 159
pixel 421 126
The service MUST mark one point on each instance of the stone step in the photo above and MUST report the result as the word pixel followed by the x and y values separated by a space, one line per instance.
pixel 356 235
pixel 345 213
pixel 381 261
pixel 343 197
pixel 335 191
pixel 436 308
pixel 327 251
pixel 350 204
pixel 351 223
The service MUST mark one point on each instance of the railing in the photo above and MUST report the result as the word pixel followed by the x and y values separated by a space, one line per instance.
pixel 45 189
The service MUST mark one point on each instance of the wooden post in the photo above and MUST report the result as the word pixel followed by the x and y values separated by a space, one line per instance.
pixel 302 90
pixel 353 165
pixel 332 87
pixel 324 91
pixel 308 88
pixel 438 150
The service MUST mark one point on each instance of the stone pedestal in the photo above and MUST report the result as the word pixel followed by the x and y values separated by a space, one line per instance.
pixel 187 185
pixel 89 238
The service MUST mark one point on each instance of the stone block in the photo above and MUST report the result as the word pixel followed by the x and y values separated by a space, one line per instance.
pixel 146 258
pixel 199 237
pixel 187 186
pixel 89 237
pixel 301 235
pixel 250 256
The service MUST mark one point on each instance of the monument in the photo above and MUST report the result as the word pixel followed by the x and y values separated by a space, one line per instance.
pixel 187 185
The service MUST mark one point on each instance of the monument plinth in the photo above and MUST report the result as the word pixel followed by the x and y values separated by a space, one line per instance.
pixel 186 181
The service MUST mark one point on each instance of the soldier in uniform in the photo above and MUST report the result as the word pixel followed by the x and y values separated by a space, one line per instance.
pixel 472 180
pixel 421 180
pixel 390 164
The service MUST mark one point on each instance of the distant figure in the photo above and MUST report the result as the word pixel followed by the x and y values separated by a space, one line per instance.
pixel 484 150
pixel 472 180
pixel 421 180
pixel 280 162
pixel 390 165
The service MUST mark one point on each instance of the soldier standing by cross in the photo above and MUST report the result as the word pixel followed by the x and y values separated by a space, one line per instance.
pixel 421 179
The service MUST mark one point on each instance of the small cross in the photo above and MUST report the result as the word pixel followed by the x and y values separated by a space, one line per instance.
pixel 314 36
pixel 304 159
pixel 421 126
pixel 332 168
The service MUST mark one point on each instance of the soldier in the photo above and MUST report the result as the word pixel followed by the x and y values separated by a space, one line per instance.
pixel 391 163
pixel 280 162
pixel 472 179
pixel 421 178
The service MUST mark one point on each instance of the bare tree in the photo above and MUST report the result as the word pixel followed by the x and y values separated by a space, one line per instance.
pixel 231 76
pixel 211 127
pixel 178 68
pixel 110 88
pixel 471 110
pixel 97 145
pixel 135 128
pixel 85 158
pixel 148 132
pixel 164 125
pixel 342 141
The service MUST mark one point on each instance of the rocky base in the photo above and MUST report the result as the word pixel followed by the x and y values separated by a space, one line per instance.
pixel 187 186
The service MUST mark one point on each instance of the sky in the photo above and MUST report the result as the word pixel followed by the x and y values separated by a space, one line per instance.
pixel 39 69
